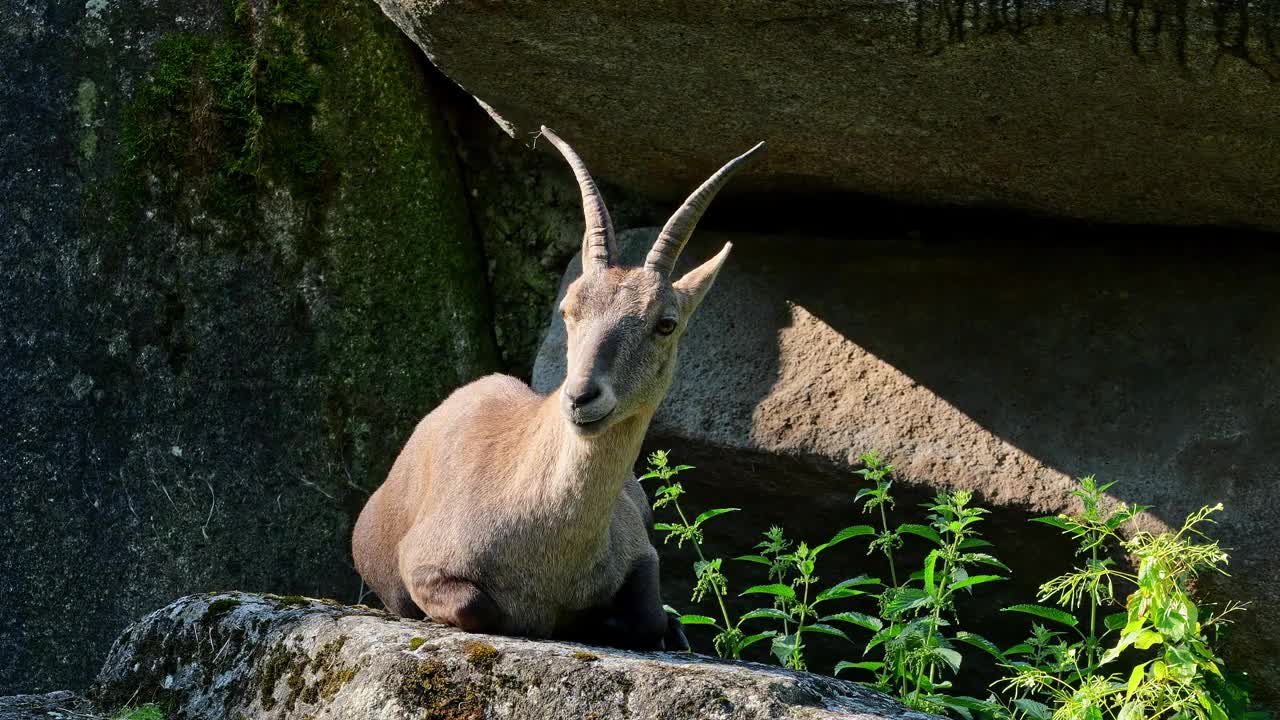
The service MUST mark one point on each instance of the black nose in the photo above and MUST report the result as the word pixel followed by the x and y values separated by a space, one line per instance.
pixel 584 396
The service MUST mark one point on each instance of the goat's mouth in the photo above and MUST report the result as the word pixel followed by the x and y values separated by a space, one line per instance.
pixel 584 426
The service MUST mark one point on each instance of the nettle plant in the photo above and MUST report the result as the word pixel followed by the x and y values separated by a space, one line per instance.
pixel 1161 635
pixel 1093 657
pixel 919 622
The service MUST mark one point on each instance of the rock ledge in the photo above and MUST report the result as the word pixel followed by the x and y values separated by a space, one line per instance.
pixel 236 655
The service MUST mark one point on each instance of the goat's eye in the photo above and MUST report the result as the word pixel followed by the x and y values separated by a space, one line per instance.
pixel 666 326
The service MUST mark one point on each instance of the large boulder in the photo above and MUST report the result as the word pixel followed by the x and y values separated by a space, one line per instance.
pixel 239 655
pixel 1134 112
pixel 237 266
pixel 1006 373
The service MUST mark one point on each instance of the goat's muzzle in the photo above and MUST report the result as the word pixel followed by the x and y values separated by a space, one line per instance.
pixel 588 406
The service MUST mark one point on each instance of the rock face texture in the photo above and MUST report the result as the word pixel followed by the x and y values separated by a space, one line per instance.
pixel 59 705
pixel 1152 112
pixel 237 266
pixel 237 655
pixel 1005 374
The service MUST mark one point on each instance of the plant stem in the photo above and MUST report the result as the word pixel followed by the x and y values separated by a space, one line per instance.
pixel 804 608
pixel 1093 611
pixel 888 552
pixel 697 546
pixel 941 583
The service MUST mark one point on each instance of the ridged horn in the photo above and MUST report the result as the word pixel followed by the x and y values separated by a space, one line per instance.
pixel 599 247
pixel 671 241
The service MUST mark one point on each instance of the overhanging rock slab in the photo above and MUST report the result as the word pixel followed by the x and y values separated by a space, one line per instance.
pixel 1124 112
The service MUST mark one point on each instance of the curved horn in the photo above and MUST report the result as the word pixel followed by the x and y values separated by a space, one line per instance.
pixel 599 247
pixel 666 249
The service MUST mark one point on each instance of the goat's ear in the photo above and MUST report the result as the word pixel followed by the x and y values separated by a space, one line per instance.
pixel 695 283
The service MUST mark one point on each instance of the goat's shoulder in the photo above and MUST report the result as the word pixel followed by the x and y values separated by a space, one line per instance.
pixel 486 415
pixel 492 390
pixel 482 399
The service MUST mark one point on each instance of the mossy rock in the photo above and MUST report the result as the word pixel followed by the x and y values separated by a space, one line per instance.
pixel 238 267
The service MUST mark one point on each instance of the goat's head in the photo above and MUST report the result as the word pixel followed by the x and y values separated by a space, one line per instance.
pixel 623 323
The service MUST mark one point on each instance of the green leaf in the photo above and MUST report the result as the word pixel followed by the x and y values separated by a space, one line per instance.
pixel 975 580
pixel 923 531
pixel 825 630
pixel 1019 649
pixel 888 633
pixel 1115 621
pixel 968 703
pixel 929 563
pixel 1146 639
pixel 712 513
pixel 750 640
pixel 970 543
pixel 770 613
pixel 985 559
pixel 852 531
pixel 696 620
pixel 1131 710
pixel 908 599
pixel 757 559
pixel 980 642
pixel 1034 710
pixel 1123 516
pixel 1056 521
pixel 1215 710
pixel 856 618
pixel 948 656
pixel 845 588
pixel 1135 679
pixel 776 589
pixel 666 526
pixel 1047 613
pixel 846 665
pixel 782 647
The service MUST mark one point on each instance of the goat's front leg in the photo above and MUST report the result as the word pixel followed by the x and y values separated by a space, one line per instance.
pixel 634 619
pixel 455 601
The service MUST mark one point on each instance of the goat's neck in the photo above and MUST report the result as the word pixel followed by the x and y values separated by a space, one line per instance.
pixel 583 476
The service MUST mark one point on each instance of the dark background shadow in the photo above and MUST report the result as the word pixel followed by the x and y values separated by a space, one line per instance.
pixel 1149 356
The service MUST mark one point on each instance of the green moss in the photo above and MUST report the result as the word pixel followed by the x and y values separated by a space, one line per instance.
pixel 150 711
pixel 286 601
pixel 585 656
pixel 310 680
pixel 293 161
pixel 481 655
pixel 415 643
pixel 218 608
pixel 428 685
pixel 280 663
pixel 86 105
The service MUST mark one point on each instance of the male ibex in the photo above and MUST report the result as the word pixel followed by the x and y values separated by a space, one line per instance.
pixel 513 513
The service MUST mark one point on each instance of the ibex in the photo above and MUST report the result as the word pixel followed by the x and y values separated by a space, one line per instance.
pixel 514 513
